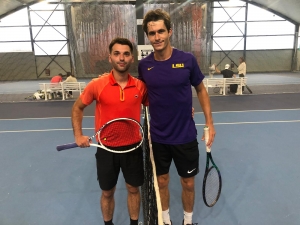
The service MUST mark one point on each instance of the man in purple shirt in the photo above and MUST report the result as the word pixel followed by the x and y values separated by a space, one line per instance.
pixel 169 74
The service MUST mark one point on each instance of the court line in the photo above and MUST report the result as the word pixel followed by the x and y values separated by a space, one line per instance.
pixel 258 110
pixel 258 122
pixel 49 118
pixel 44 118
pixel 45 130
pixel 197 124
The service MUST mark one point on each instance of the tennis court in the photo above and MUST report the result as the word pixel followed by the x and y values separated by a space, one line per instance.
pixel 257 133
pixel 256 149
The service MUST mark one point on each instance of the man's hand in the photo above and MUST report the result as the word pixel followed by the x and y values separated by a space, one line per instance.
pixel 82 141
pixel 212 134
pixel 106 73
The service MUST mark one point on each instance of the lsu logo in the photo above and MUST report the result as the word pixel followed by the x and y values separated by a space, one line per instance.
pixel 178 65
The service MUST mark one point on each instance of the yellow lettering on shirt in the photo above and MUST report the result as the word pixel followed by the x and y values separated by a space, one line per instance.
pixel 178 65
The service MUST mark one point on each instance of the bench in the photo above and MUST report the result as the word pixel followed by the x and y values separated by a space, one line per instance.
pixel 50 89
pixel 72 86
pixel 223 83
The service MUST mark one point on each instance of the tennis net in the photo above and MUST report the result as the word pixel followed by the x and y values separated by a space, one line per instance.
pixel 150 195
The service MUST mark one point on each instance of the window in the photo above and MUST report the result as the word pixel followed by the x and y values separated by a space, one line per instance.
pixel 228 29
pixel 270 42
pixel 258 14
pixel 49 33
pixel 14 34
pixel 19 18
pixel 15 47
pixel 265 30
pixel 47 18
pixel 46 6
pixel 229 4
pixel 228 43
pixel 270 28
pixel 51 48
pixel 226 14
pixel 48 30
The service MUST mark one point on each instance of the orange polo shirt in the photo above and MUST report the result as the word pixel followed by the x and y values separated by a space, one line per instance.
pixel 114 102
pixel 56 79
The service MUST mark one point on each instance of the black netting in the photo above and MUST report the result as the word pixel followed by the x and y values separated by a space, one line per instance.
pixel 148 191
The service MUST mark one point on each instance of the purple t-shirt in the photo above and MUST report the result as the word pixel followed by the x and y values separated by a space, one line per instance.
pixel 170 96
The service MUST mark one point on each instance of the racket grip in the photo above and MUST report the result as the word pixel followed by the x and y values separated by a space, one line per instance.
pixel 66 146
pixel 206 137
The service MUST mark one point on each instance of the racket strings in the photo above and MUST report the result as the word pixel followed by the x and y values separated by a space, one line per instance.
pixel 212 186
pixel 121 133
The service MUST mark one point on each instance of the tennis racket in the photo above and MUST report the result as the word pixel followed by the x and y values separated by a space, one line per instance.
pixel 118 135
pixel 212 181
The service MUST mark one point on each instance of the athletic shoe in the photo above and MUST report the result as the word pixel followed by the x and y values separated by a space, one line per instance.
pixel 167 223
pixel 189 223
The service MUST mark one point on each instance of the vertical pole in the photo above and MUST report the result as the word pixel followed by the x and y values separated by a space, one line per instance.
pixel 209 29
pixel 32 41
pixel 70 49
pixel 295 49
pixel 139 10
pixel 245 31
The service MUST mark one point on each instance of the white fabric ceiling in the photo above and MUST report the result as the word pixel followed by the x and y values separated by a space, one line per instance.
pixel 287 8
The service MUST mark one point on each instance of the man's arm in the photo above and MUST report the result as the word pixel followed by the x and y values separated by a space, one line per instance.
pixel 217 70
pixel 77 116
pixel 204 101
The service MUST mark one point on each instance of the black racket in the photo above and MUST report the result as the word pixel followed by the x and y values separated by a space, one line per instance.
pixel 212 181
pixel 118 135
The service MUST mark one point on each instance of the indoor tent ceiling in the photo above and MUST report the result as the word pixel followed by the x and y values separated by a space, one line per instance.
pixel 289 9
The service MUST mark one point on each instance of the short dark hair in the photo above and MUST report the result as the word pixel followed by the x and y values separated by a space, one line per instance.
pixel 155 15
pixel 242 59
pixel 121 41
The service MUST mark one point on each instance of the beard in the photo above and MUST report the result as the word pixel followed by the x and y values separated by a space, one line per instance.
pixel 121 69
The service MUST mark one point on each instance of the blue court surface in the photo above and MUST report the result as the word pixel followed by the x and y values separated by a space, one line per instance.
pixel 257 152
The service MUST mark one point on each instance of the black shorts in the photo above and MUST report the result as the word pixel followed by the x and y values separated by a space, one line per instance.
pixel 109 165
pixel 185 156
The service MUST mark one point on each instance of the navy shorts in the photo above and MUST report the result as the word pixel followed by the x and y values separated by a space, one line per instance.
pixel 109 165
pixel 185 156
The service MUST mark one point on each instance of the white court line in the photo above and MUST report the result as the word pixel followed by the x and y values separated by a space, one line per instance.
pixel 256 122
pixel 49 118
pixel 70 129
pixel 44 118
pixel 258 110
pixel 46 130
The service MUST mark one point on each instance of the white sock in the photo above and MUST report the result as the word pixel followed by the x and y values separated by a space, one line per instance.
pixel 188 217
pixel 166 217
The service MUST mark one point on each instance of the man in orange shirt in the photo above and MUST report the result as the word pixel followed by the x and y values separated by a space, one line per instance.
pixel 117 94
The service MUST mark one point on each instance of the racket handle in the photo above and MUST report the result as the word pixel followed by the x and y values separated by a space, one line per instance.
pixel 66 146
pixel 206 137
